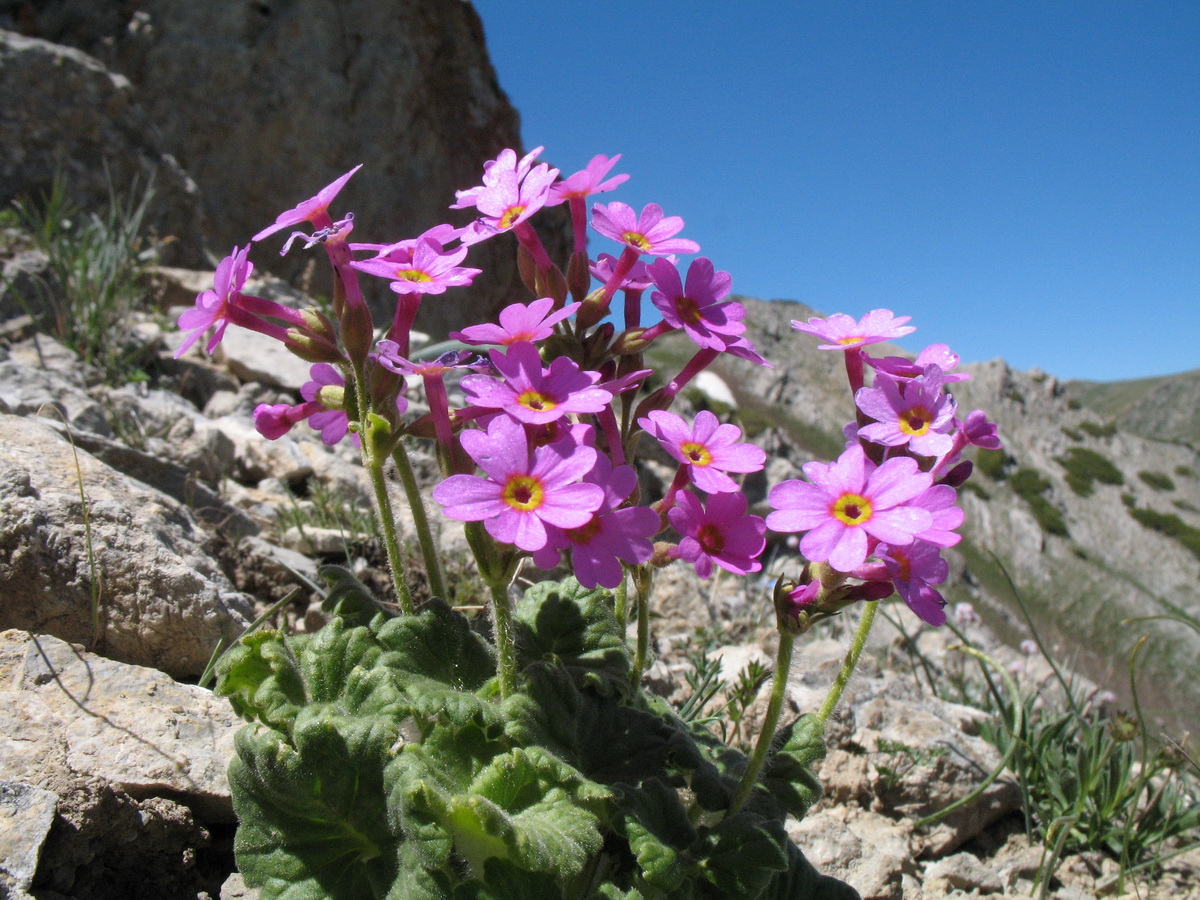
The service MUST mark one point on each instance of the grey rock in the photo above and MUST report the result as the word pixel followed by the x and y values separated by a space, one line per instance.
pixel 162 600
pixel 251 356
pixel 965 872
pixel 26 814
pixel 266 103
pixel 42 373
pixel 67 712
pixel 65 112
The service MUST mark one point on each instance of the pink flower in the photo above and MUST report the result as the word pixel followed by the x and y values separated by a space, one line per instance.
pixel 521 495
pixel 638 278
pixel 587 181
pixel 720 533
pixel 935 354
pixel 532 394
pixel 844 333
pixel 915 412
pixel 511 192
pixel 428 270
pixel 914 569
pixel 709 449
pixel 939 500
pixel 611 536
pixel 979 432
pixel 315 210
pixel 273 421
pixel 850 502
pixel 650 232
pixel 518 323
pixel 225 303
pixel 697 309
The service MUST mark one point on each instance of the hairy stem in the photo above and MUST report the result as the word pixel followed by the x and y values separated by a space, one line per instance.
pixel 504 638
pixel 849 663
pixel 642 577
pixel 762 748
pixel 433 561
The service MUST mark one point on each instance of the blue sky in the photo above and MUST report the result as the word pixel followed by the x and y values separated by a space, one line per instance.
pixel 1022 178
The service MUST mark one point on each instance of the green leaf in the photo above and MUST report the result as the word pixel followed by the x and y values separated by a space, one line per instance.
pixel 310 817
pixel 742 853
pixel 503 881
pixel 438 643
pixel 563 623
pixel 789 777
pixel 524 806
pixel 656 826
pixel 261 676
pixel 347 597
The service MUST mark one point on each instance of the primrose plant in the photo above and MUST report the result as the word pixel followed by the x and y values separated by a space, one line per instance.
pixel 407 752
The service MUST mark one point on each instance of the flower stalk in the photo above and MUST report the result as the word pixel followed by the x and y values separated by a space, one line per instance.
pixel 850 663
pixel 766 737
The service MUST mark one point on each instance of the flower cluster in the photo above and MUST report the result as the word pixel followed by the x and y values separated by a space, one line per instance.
pixel 541 451
pixel 885 508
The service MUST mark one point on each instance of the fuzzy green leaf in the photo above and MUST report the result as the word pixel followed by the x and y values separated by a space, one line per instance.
pixel 438 643
pixel 789 777
pixel 310 813
pixel 261 676
pixel 563 623
pixel 742 853
pixel 656 826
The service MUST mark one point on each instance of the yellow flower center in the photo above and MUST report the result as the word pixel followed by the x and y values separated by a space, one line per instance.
pixel 853 339
pixel 852 509
pixel 916 421
pixel 523 493
pixel 536 401
pixel 696 454
pixel 637 240
pixel 413 275
pixel 510 216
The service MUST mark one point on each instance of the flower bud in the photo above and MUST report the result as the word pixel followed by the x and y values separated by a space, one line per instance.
pixel 312 348
pixel 551 283
pixel 631 341
pixel 959 474
pixel 594 308
pixel 578 276
pixel 358 331
pixel 528 270
pixel 332 396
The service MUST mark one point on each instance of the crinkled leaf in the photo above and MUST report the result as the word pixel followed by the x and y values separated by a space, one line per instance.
pixel 742 853
pixel 789 777
pixel 262 678
pixel 656 826
pixel 503 881
pixel 438 643
pixel 347 597
pixel 610 891
pixel 564 623
pixel 523 806
pixel 311 823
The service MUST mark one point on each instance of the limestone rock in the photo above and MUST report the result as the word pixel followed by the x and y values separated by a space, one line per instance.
pixel 26 813
pixel 65 112
pixel 266 103
pixel 67 712
pixel 162 600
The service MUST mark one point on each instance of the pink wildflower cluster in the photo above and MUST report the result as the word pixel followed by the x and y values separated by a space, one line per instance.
pixel 536 444
pixel 883 511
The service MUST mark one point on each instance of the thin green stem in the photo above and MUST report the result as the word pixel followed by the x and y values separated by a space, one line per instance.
pixel 621 604
pixel 849 663
pixel 359 411
pixel 387 531
pixel 783 668
pixel 433 561
pixel 642 576
pixel 502 616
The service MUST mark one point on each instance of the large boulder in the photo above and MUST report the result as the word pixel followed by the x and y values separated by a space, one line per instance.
pixel 63 113
pixel 264 103
pixel 161 600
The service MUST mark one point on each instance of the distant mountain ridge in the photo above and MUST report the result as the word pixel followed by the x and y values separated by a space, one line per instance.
pixel 1165 408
